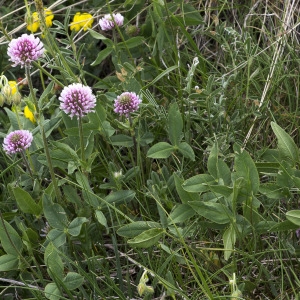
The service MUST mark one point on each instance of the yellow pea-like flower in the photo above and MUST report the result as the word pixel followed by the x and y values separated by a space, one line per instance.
pixel 82 20
pixel 29 114
pixel 33 22
pixel 48 17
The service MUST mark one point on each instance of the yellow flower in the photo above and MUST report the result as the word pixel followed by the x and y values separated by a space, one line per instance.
pixel 33 22
pixel 29 114
pixel 48 17
pixel 13 87
pixel 82 20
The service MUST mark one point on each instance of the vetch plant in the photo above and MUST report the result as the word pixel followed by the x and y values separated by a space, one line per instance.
pixel 82 20
pixel 34 23
pixel 29 114
pixel 9 91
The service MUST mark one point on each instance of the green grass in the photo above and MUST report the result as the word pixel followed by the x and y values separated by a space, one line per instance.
pixel 195 196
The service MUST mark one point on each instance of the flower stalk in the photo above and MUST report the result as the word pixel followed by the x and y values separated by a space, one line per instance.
pixel 45 142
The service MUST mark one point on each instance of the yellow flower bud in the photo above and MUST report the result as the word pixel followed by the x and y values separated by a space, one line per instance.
pixel 9 90
pixel 2 99
pixel 16 98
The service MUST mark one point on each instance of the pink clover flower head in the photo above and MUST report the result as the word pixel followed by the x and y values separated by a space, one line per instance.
pixel 17 141
pixel 127 103
pixel 25 49
pixel 107 22
pixel 77 100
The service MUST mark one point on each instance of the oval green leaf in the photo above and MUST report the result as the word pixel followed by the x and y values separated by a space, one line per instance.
pixel 147 239
pixel 294 216
pixel 160 150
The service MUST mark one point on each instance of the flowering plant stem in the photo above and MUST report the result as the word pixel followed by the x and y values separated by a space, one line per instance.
pixel 40 123
pixel 135 148
pixel 26 163
pixel 81 139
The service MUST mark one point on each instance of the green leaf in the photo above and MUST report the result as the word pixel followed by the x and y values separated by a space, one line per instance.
pixel 146 239
pixel 71 194
pixel 25 202
pixel 87 192
pixel 134 229
pixel 180 214
pixel 45 95
pixel 285 177
pixel 8 262
pixel 52 259
pixel 229 239
pixel 221 189
pixel 216 167
pixel 286 146
pixel 199 183
pixel 175 124
pixel 56 237
pixel 131 43
pixel 96 35
pixel 73 281
pixel 162 74
pixel 12 119
pixel 98 117
pixel 246 168
pixel 54 213
pixel 11 242
pixel 49 126
pixel 101 56
pixel 186 150
pixel 184 195
pixel 160 150
pixel 74 227
pixel 272 190
pixel 294 216
pixel 120 197
pixel 212 211
pixel 283 226
pixel 101 218
pixel 213 160
pixel 121 140
pixel 52 292
pixel 66 149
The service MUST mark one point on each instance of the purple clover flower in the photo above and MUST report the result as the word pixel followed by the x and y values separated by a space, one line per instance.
pixel 17 141
pixel 127 103
pixel 25 49
pixel 107 22
pixel 77 100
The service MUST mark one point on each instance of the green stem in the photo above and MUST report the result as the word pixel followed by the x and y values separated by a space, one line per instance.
pixel 26 163
pixel 81 139
pixel 135 147
pixel 40 123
